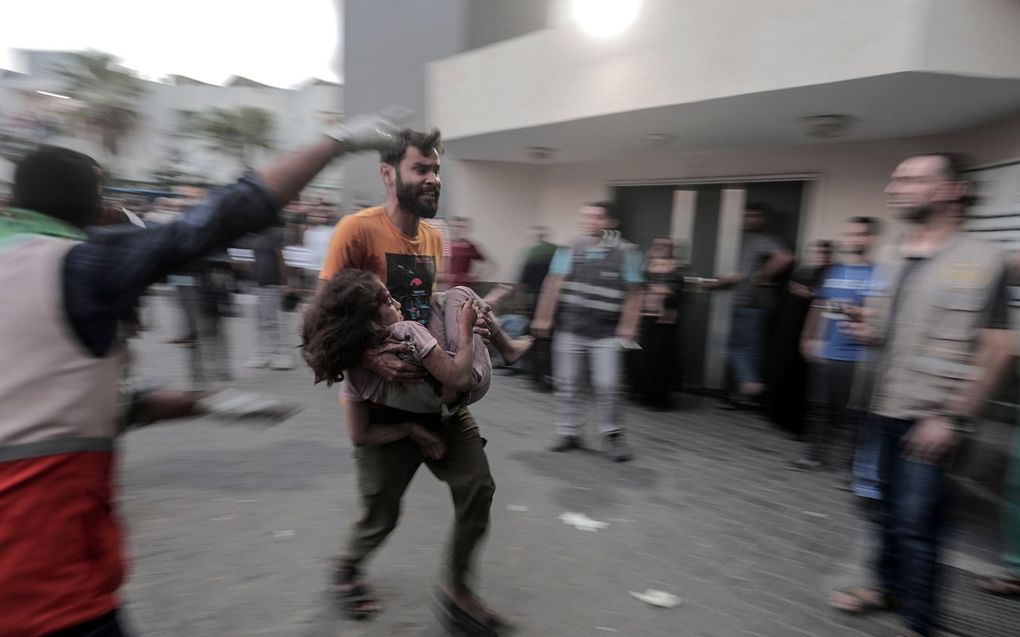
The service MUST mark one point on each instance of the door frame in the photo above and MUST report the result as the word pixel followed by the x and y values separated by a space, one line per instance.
pixel 720 306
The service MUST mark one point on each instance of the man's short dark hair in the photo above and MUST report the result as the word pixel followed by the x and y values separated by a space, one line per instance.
pixel 61 183
pixel 955 164
pixel 955 169
pixel 608 207
pixel 428 142
pixel 874 225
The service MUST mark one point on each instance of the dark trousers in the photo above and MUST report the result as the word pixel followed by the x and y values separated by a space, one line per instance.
pixel 385 471
pixel 189 300
pixel 540 362
pixel 829 385
pixel 107 625
pixel 912 519
pixel 1011 512
pixel 745 344
pixel 654 377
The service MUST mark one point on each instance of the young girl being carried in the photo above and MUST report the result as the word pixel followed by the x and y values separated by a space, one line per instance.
pixel 355 312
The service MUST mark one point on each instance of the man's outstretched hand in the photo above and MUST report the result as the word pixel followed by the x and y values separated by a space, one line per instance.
pixel 370 131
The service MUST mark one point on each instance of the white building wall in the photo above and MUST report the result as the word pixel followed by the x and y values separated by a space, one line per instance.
pixel 502 199
pixel 506 198
pixel 989 144
pixel 686 51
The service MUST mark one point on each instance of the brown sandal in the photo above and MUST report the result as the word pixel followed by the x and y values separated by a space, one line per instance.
pixel 858 600
pixel 1003 586
pixel 355 597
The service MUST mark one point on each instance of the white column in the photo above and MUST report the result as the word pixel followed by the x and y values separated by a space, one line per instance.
pixel 727 257
pixel 681 224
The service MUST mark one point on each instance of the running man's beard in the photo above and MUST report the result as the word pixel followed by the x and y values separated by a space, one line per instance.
pixel 409 198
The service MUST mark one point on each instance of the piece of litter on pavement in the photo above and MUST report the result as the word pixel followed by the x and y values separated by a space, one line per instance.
pixel 582 522
pixel 516 507
pixel 812 514
pixel 283 534
pixel 662 599
pixel 606 629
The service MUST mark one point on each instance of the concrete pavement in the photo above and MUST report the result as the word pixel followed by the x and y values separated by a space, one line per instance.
pixel 232 529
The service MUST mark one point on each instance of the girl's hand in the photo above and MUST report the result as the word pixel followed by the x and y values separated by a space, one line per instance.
pixel 383 362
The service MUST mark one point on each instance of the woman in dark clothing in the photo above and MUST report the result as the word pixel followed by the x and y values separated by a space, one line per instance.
pixel 787 368
pixel 659 326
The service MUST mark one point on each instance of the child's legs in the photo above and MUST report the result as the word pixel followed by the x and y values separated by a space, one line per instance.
pixel 445 326
pixel 481 374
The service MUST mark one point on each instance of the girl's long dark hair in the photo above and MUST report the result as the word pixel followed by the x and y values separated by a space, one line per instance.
pixel 341 323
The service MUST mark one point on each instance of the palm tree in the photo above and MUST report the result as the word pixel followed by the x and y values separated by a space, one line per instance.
pixel 108 95
pixel 237 131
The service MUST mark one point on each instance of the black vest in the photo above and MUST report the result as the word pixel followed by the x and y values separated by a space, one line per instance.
pixel 593 293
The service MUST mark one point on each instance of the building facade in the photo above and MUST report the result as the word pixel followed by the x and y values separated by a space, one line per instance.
pixel 699 107
pixel 164 144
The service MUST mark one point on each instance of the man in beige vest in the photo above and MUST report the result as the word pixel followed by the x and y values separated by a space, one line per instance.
pixel 937 320
pixel 66 293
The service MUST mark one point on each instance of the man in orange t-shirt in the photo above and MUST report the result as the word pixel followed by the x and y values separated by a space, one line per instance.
pixel 394 242
pixel 407 264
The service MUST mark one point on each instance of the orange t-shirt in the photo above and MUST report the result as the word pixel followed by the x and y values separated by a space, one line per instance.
pixel 368 240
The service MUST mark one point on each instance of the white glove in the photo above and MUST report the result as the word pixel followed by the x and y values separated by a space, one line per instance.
pixel 257 409
pixel 375 131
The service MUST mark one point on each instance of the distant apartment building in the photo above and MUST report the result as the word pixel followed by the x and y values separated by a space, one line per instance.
pixel 164 145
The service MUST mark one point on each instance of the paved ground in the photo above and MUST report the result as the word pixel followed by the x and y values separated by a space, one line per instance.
pixel 232 529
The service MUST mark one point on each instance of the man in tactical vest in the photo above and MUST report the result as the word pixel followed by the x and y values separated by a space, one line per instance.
pixel 937 320
pixel 594 291
pixel 67 294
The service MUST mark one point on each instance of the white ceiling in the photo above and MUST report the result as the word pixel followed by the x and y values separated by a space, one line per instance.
pixel 899 105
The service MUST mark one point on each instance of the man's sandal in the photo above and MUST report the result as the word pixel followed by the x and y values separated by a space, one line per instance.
pixel 356 598
pixel 858 600
pixel 1003 586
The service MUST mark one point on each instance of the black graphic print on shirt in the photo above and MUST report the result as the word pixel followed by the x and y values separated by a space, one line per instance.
pixel 410 279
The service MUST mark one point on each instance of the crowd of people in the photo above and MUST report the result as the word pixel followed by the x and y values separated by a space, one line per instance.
pixel 278 267
pixel 895 352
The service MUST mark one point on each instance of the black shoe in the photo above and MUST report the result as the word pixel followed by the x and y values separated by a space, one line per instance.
pixel 727 404
pixel 616 447
pixel 458 621
pixel 565 443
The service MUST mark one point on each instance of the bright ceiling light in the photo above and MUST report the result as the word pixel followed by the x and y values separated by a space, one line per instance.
pixel 604 18
pixel 56 95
